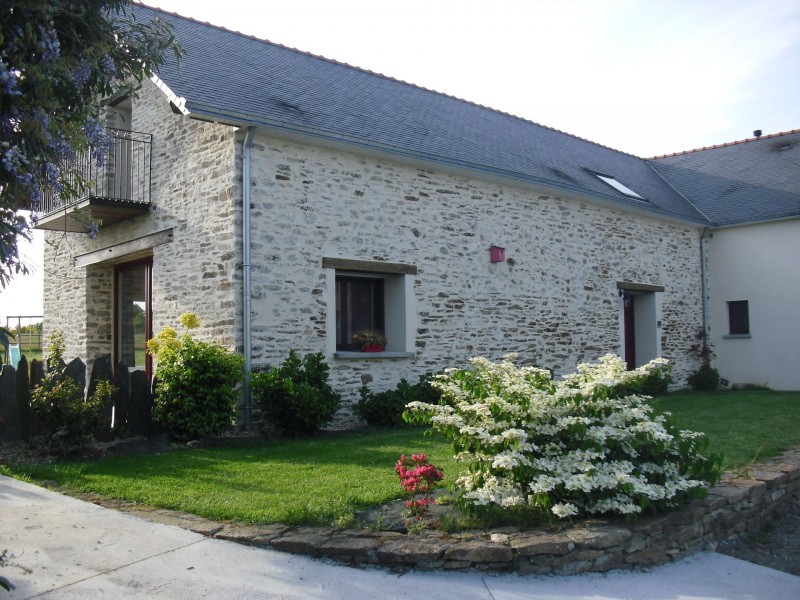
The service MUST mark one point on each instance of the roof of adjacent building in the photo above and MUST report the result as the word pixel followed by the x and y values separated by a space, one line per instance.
pixel 753 180
pixel 234 78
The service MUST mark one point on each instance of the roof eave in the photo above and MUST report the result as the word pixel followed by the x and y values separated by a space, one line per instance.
pixel 794 217
pixel 425 160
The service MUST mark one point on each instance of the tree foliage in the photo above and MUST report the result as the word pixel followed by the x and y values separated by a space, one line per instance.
pixel 58 58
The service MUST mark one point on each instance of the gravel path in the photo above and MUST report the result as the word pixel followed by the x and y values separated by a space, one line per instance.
pixel 776 546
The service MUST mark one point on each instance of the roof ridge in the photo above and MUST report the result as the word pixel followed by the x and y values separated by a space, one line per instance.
pixel 726 144
pixel 382 76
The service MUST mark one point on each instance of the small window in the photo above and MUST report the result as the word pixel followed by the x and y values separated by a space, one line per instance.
pixel 359 312
pixel 618 186
pixel 738 318
pixel 375 306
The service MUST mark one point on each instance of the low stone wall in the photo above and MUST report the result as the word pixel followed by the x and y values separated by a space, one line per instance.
pixel 741 502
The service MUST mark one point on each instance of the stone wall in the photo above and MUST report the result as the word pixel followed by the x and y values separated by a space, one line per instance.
pixel 554 301
pixel 193 191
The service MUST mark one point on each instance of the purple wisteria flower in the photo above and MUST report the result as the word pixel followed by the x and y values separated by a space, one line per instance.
pixel 81 74
pixel 109 67
pixel 48 44
pixel 8 81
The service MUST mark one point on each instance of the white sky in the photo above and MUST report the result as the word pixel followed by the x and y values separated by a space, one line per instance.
pixel 647 77
pixel 24 296
pixel 644 76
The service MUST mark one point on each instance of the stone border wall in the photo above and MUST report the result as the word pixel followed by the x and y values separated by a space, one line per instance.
pixel 741 502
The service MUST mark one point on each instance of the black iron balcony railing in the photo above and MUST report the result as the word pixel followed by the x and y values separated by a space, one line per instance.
pixel 118 187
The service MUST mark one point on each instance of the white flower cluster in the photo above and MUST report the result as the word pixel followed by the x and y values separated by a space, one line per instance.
pixel 572 446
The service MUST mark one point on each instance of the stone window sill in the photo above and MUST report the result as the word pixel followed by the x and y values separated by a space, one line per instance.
pixel 372 355
pixel 737 336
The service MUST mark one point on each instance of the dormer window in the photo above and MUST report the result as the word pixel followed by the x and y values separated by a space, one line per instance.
pixel 620 187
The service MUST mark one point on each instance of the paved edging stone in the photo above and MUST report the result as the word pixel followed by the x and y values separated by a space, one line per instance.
pixel 739 503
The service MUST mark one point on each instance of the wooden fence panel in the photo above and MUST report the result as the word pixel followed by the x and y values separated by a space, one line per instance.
pixel 36 376
pixel 77 370
pixel 132 405
pixel 37 372
pixel 10 426
pixel 23 394
pixel 141 405
pixel 101 371
pixel 122 400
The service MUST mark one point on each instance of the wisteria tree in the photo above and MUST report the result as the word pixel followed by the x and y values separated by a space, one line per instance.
pixel 58 60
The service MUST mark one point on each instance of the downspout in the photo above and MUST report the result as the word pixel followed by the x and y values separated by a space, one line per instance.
pixel 704 278
pixel 246 287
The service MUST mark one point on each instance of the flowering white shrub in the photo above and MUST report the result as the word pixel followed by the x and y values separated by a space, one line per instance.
pixel 583 445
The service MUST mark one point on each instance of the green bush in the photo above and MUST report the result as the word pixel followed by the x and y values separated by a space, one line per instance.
pixel 68 418
pixel 705 379
pixel 385 409
pixel 296 398
pixel 654 384
pixel 196 385
pixel 566 448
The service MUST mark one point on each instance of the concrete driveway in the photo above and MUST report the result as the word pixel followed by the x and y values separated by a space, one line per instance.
pixel 66 548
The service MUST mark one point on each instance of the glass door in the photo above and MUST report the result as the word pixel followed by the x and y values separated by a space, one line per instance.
pixel 133 315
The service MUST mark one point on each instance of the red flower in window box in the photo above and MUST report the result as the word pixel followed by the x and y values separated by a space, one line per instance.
pixel 370 340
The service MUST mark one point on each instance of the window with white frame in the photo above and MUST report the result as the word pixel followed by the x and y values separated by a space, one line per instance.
pixel 373 306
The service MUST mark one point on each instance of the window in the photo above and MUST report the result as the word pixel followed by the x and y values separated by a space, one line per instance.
pixel 738 317
pixel 620 187
pixel 370 296
pixel 359 308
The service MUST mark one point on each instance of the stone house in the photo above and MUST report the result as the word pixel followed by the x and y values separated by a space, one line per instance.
pixel 292 202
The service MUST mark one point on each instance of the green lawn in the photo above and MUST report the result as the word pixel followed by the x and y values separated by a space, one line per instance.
pixel 324 478
pixel 292 481
pixel 29 353
pixel 746 426
pixel 32 354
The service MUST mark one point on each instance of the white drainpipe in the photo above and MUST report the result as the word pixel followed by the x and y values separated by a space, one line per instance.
pixel 246 288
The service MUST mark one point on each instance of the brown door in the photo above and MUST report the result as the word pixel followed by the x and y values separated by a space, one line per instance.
pixel 630 332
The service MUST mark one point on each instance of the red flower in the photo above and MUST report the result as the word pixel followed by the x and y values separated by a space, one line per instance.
pixel 418 476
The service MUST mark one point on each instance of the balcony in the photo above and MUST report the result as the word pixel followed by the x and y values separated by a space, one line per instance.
pixel 118 189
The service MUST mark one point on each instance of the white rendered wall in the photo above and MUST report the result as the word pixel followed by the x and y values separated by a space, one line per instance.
pixel 760 264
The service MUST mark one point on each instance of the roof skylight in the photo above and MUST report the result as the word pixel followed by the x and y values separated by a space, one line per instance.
pixel 620 187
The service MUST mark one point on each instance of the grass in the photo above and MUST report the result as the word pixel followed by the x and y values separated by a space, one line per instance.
pixel 32 354
pixel 317 480
pixel 29 353
pixel 323 479
pixel 745 426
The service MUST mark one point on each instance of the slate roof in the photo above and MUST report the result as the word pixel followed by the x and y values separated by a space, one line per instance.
pixel 742 182
pixel 239 79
